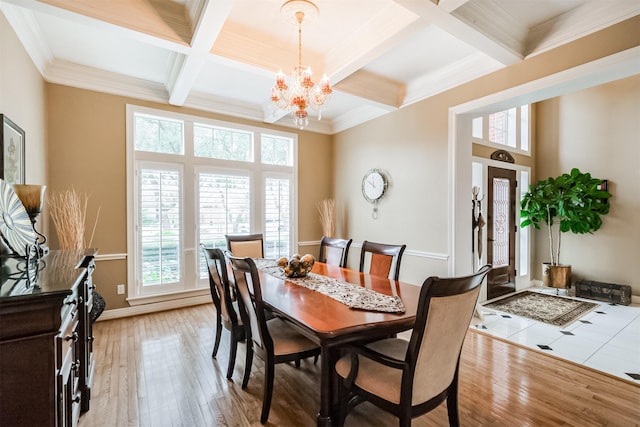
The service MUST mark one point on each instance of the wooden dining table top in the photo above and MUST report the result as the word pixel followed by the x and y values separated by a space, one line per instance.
pixel 327 319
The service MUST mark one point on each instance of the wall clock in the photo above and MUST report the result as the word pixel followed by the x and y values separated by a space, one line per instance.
pixel 15 224
pixel 374 185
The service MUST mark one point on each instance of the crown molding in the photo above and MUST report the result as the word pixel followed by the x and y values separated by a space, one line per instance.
pixel 26 27
pixel 221 105
pixel 357 116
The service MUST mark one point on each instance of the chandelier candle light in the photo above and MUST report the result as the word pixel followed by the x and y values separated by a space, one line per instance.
pixel 299 94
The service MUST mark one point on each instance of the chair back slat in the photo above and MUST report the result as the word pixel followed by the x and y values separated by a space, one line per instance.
pixel 245 245
pixel 247 281
pixel 383 259
pixel 380 265
pixel 334 251
pixel 219 282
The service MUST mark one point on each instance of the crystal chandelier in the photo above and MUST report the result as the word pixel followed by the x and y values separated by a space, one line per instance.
pixel 299 95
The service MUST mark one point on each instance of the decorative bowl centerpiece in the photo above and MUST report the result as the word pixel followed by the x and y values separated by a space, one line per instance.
pixel 297 266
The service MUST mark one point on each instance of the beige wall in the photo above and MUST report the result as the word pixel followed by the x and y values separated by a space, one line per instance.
pixel 412 144
pixel 76 138
pixel 598 131
pixel 22 99
pixel 87 134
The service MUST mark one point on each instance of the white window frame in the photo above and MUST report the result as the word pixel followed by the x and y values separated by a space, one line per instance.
pixel 190 230
pixel 518 133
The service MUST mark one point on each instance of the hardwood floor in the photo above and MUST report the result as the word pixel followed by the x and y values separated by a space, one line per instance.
pixel 157 370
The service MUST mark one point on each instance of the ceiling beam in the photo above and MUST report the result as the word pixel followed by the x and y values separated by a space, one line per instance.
pixel 451 5
pixel 388 28
pixel 579 22
pixel 373 88
pixel 505 50
pixel 180 81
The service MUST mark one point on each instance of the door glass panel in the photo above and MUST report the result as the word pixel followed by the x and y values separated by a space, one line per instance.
pixel 501 224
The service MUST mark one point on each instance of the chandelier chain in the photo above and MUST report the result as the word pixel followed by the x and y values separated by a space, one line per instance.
pixel 299 95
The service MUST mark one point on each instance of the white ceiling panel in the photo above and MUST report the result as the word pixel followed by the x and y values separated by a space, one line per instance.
pixel 85 45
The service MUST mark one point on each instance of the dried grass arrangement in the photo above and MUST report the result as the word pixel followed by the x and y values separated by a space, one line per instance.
pixel 68 210
pixel 327 210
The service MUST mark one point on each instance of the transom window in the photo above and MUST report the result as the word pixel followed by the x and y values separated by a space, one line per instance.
pixel 509 128
pixel 192 180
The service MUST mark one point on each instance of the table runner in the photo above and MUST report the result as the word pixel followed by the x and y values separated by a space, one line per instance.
pixel 353 296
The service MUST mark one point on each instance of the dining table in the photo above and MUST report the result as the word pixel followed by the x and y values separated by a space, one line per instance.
pixel 333 324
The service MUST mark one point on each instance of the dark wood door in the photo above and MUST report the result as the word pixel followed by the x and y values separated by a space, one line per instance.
pixel 501 231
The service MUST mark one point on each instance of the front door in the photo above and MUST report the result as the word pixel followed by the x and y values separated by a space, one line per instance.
pixel 501 231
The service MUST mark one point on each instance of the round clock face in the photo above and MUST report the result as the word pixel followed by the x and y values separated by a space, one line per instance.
pixel 374 184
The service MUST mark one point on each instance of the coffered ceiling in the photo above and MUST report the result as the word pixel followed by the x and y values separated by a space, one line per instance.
pixel 222 55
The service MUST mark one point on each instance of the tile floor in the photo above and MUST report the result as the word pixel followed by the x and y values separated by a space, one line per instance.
pixel 606 338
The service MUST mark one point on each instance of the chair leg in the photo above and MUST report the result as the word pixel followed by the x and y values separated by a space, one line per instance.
pixel 297 362
pixel 342 403
pixel 216 343
pixel 268 389
pixel 452 404
pixel 233 349
pixel 247 363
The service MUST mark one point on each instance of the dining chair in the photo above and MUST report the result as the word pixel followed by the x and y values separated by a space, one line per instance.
pixel 274 341
pixel 383 256
pixel 245 245
pixel 226 308
pixel 334 251
pixel 410 378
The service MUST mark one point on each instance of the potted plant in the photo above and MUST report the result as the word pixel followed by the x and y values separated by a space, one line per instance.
pixel 571 202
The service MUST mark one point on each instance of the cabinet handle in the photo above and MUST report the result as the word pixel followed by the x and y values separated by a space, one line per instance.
pixel 80 300
pixel 72 302
pixel 90 339
pixel 76 366
pixel 76 399
pixel 73 337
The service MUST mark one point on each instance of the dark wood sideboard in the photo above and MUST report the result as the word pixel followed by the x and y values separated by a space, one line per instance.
pixel 46 339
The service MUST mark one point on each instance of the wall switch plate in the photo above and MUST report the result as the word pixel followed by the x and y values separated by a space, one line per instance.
pixel 120 289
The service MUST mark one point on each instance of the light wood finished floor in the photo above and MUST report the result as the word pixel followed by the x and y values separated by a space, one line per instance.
pixel 157 370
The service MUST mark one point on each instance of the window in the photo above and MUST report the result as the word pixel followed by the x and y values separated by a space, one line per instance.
pixel 192 181
pixel 509 128
pixel 160 223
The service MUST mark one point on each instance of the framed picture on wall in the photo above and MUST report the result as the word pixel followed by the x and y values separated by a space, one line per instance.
pixel 11 152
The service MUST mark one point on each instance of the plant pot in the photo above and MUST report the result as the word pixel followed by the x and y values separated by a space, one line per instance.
pixel 556 276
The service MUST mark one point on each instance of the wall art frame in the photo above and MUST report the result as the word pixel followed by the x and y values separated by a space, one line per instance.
pixel 12 152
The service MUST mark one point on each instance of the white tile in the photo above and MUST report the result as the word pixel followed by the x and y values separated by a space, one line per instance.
pixel 535 335
pixel 615 360
pixel 575 347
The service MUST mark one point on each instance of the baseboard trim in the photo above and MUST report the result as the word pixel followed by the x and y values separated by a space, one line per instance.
pixel 117 313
